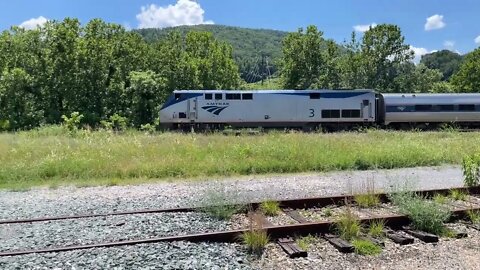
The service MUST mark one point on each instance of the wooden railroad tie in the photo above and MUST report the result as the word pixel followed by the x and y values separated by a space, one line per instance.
pixel 291 248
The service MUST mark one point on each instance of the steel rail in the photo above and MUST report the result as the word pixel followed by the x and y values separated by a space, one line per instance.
pixel 289 203
pixel 394 221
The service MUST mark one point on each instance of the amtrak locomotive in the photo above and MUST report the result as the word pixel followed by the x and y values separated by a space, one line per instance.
pixel 309 109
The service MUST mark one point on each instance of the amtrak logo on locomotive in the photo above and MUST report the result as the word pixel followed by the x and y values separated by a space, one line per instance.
pixel 215 109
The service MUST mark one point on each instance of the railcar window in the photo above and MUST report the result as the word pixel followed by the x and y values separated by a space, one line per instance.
pixel 208 96
pixel 351 113
pixel 247 96
pixel 233 96
pixel 330 113
pixel 314 95
pixel 446 108
pixel 423 108
pixel 466 107
pixel 218 96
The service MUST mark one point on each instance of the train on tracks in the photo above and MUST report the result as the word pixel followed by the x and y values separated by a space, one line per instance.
pixel 312 109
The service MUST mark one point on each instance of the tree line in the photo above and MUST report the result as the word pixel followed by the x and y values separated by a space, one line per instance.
pixel 108 74
pixel 101 70
pixel 381 60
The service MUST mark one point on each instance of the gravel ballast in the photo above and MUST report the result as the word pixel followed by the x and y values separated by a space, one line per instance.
pixel 43 202
pixel 71 200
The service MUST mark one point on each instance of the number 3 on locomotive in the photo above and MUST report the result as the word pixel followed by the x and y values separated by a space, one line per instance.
pixel 312 113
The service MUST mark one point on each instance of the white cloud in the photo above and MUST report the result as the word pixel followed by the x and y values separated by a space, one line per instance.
pixel 184 12
pixel 477 40
pixel 364 27
pixel 34 23
pixel 449 44
pixel 418 52
pixel 434 22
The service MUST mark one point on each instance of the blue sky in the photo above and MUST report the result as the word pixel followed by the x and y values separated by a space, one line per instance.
pixel 427 24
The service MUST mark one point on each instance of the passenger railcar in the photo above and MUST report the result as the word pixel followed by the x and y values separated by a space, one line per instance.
pixel 275 108
pixel 417 109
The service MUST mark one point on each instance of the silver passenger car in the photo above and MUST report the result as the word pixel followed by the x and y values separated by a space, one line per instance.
pixel 432 108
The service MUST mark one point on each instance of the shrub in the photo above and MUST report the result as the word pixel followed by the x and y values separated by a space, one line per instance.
pixel 348 226
pixel 426 215
pixel 270 208
pixel 365 247
pixel 115 122
pixel 72 123
pixel 440 199
pixel 471 172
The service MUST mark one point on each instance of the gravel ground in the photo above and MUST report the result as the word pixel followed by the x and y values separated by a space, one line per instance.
pixel 177 255
pixel 105 229
pixel 71 200
pixel 446 254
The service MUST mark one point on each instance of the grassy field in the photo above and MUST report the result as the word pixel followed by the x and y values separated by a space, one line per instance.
pixel 50 157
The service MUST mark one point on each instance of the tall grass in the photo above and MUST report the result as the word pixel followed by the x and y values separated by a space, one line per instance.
pixel 49 155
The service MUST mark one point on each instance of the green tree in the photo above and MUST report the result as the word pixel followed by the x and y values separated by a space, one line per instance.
pixel 467 79
pixel 18 100
pixel 382 49
pixel 303 61
pixel 446 61
pixel 147 91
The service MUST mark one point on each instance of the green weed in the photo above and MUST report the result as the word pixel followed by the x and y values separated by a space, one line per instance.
pixel 365 247
pixel 348 226
pixel 474 216
pixel 304 242
pixel 458 195
pixel 270 208
pixel 376 229
pixel 440 199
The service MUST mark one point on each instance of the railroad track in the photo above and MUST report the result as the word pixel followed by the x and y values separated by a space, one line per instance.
pixel 303 226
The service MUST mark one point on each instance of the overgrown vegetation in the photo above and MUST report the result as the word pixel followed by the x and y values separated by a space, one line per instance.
pixel 474 216
pixel 458 195
pixel 304 242
pixel 348 225
pixel 256 238
pixel 440 199
pixel 221 203
pixel 471 170
pixel 365 247
pixel 376 229
pixel 426 215
pixel 270 208
pixel 366 196
pixel 51 155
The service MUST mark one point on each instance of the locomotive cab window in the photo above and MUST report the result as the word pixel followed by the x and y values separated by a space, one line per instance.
pixel 232 96
pixel 178 96
pixel 350 113
pixel 466 107
pixel 247 96
pixel 218 96
pixel 330 113
pixel 314 95
pixel 208 96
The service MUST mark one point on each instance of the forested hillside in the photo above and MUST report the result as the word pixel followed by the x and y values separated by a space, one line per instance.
pixel 256 51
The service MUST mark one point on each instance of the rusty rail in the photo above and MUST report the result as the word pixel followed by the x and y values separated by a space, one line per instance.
pixel 289 203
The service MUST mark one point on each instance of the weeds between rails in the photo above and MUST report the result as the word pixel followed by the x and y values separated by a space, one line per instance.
pixel 52 157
